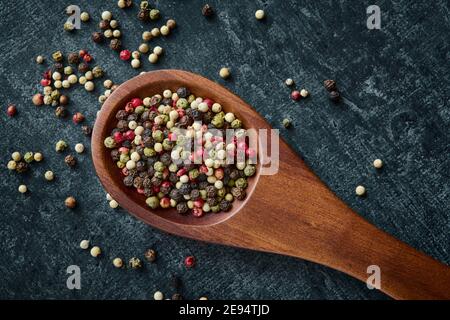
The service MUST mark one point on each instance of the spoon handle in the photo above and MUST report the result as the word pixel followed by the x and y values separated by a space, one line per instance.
pixel 294 213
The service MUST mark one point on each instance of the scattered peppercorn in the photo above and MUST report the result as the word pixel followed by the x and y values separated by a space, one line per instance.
pixel 189 261
pixel 135 263
pixel 11 110
pixel 84 244
pixel 330 85
pixel 97 37
pixel 295 95
pixel 70 202
pixel 23 188
pixel 70 160
pixel 260 14
pixel 207 10
pixel 38 99
pixel 158 295
pixel 40 59
pixel 144 12
pixel 96 251
pixel 150 255
pixel 378 163
pixel 118 263
pixel 49 175
pixel 78 117
pixel 334 96
pixel 360 191
pixel 21 167
pixel 28 157
pixel 87 130
pixel 115 44
pixel 286 123
pixel 177 296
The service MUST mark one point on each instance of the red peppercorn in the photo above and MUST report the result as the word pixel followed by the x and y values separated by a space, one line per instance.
pixel 125 171
pixel 295 95
pixel 124 150
pixel 181 172
pixel 46 82
pixel 197 212
pixel 82 53
pixel 38 99
pixel 136 102
pixel 174 103
pixel 165 184
pixel 203 169
pixel 11 110
pixel 166 173
pixel 125 55
pixel 181 113
pixel 118 137
pixel 189 261
pixel 209 102
pixel 47 74
pixel 155 189
pixel 199 203
pixel 87 58
pixel 129 135
pixel 78 118
pixel 140 191
pixel 129 108
pixel 219 173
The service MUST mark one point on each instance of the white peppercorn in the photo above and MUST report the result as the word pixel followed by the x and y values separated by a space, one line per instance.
pixel 146 36
pixel 79 148
pixel 84 244
pixel 360 191
pixel 378 163
pixel 82 80
pixel 158 50
pixel 12 165
pixel 40 59
pixel 108 84
pixel 135 54
pixel 114 24
pixel 158 295
pixel 304 93
pixel 118 263
pixel 165 31
pixel 117 33
pixel 113 204
pixel 95 251
pixel 23 188
pixel 16 156
pixel 289 82
pixel 260 14
pixel 38 157
pixel 66 84
pixel 84 16
pixel 224 73
pixel 155 32
pixel 108 33
pixel 89 86
pixel 49 175
pixel 144 48
pixel 106 15
pixel 72 79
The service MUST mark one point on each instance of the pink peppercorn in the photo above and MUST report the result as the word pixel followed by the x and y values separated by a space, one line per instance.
pixel 87 58
pixel 82 53
pixel 78 118
pixel 295 95
pixel 124 150
pixel 129 135
pixel 47 74
pixel 11 110
pixel 181 113
pixel 45 82
pixel 136 102
pixel 140 191
pixel 197 212
pixel 129 108
pixel 165 184
pixel 125 55
pixel 219 173
pixel 125 171
pixel 189 261
pixel 164 202
pixel 155 189
pixel 118 137
pixel 181 172
pixel 203 169
pixel 209 102
pixel 199 203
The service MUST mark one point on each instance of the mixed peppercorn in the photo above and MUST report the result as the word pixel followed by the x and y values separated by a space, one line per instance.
pixel 152 145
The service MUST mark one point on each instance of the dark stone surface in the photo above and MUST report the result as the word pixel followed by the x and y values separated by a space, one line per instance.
pixel 395 85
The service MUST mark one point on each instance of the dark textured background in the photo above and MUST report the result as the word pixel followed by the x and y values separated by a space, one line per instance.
pixel 395 82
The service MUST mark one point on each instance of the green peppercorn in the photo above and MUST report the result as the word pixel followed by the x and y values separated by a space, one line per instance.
pixel 139 110
pixel 149 152
pixel 28 157
pixel 173 167
pixel 57 56
pixel 182 103
pixel 154 14
pixel 221 193
pixel 61 145
pixel 152 202
pixel 215 208
pixel 124 158
pixel 167 145
pixel 158 135
pixel 110 143
pixel 55 95
pixel 218 120
pixel 231 183
pixel 249 170
pixel 135 263
pixel 97 72
pixel 193 174
pixel 286 123
pixel 159 166
pixel 236 124
pixel 120 165
pixel 241 183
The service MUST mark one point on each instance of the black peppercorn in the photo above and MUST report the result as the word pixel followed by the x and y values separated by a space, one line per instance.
pixel 104 24
pixel 115 44
pixel 225 205
pixel 150 255
pixel 185 189
pixel 21 167
pixel 156 181
pixel 83 67
pixel 165 189
pixel 330 85
pixel 334 96
pixel 183 92
pixel 234 174
pixel 97 37
pixel 166 159
pixel 60 112
pixel 144 14
pixel 137 182
pixel 177 296
pixel 211 191
pixel 128 181
pixel 211 201
pixel 148 192
pixel 87 131
pixel 207 10
pixel 176 195
pixel 121 115
pixel 58 67
pixel 238 193
pixel 115 155
pixel 140 166
pixel 195 194
pixel 182 207
pixel 70 160
pixel 202 184
pixel 73 58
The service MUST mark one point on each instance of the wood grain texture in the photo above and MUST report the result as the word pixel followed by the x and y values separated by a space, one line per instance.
pixel 291 213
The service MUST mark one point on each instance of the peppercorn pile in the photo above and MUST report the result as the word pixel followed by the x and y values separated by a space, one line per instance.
pixel 172 149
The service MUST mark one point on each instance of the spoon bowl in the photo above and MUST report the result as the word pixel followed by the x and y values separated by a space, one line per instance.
pixel 291 213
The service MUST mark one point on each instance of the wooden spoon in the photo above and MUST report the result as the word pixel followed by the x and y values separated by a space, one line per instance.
pixel 291 213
